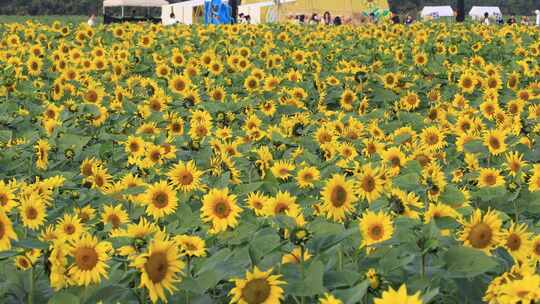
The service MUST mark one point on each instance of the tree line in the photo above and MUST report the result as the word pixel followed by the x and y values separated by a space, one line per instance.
pixel 85 7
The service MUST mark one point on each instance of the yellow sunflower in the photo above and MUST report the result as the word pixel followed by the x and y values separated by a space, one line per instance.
pixel 258 287
pixel 257 201
pixel 432 138
pixel 282 169
pixel 338 197
pixel 115 216
pixel 160 199
pixel 482 232
pixel 7 198
pixel 375 228
pixel 392 296
pixel 90 260
pixel 495 141
pixel 220 208
pixel 160 267
pixel 369 184
pixel 191 245
pixel 329 299
pixel 32 211
pixel 42 154
pixel 186 177
pixel 490 177
pixel 69 227
pixel 7 234
pixel 517 241
pixel 294 256
pixel 307 176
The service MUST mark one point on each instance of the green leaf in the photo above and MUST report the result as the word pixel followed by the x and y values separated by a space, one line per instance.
pixel 5 136
pixel 322 243
pixel 247 188
pixel 402 138
pixel 312 284
pixel 72 141
pixel 490 193
pixel 408 182
pixel 112 294
pixel 64 298
pixel 467 262
pixel 452 196
pixel 8 254
pixel 475 146
pixel 31 244
pixel 354 294
pixel 339 279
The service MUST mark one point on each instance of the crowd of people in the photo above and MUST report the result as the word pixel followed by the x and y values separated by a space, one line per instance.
pixel 498 19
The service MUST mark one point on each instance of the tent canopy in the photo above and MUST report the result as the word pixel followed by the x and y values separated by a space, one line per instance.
pixel 135 3
pixel 441 11
pixel 479 11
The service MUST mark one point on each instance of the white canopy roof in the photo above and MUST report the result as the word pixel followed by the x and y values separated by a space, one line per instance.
pixel 135 3
pixel 479 11
pixel 441 11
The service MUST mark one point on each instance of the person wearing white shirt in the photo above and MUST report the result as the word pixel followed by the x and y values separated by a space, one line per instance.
pixel 486 19
pixel 92 21
pixel 537 12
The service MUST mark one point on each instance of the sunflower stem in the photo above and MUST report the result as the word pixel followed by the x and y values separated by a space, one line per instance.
pixel 423 265
pixel 31 287
pixel 340 259
pixel 302 298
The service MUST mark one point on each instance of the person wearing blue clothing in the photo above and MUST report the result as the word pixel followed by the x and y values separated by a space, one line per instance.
pixel 216 12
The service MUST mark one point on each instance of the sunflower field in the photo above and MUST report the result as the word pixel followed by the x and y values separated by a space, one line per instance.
pixel 269 164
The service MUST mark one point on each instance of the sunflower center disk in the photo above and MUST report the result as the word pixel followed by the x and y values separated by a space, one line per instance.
pixel 86 258
pixel 368 184
pixel 338 196
pixel 513 242
pixel 69 229
pixel 186 178
pixel 480 235
pixel 161 199
pixel 222 209
pixel 256 291
pixel 376 232
pixel 31 213
pixel 157 266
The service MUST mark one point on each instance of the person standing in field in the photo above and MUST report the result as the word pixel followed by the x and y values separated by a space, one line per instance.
pixel 486 18
pixel 92 21
pixel 537 12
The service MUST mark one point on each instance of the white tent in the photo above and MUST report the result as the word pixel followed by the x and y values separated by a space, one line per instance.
pixel 478 12
pixel 437 11
pixel 135 3
pixel 183 12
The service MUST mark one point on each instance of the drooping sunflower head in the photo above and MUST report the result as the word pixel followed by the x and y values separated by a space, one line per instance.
pixel 160 267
